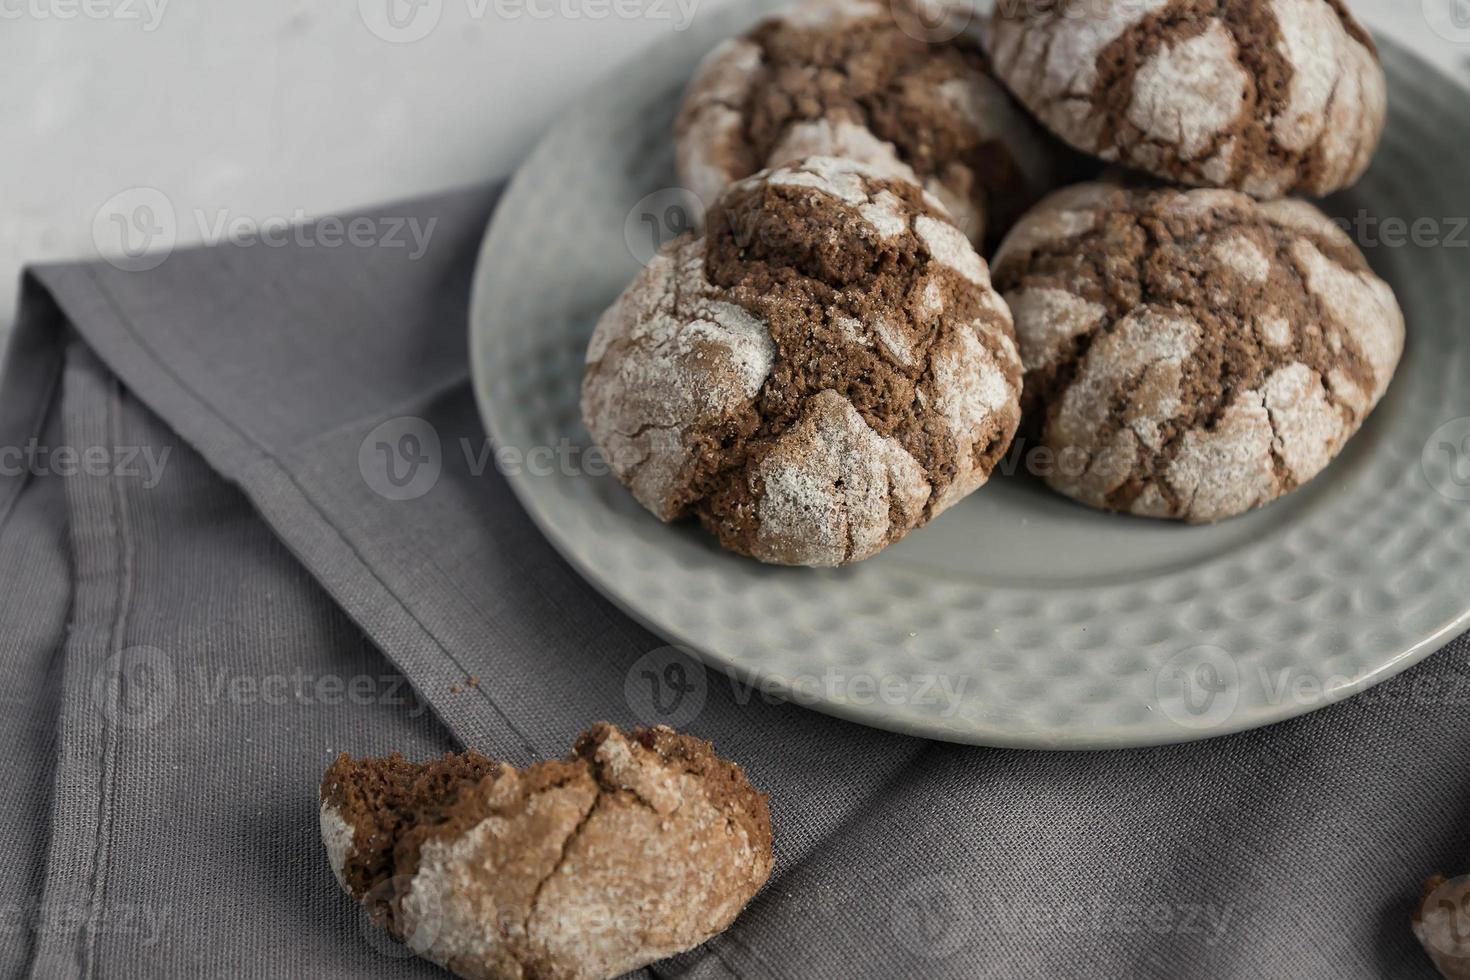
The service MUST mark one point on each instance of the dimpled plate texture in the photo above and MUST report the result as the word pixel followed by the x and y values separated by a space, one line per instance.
pixel 1017 619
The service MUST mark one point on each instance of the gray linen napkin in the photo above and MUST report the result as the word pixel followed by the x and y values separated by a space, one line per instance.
pixel 216 590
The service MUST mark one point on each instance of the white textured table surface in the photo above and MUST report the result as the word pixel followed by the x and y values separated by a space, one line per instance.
pixel 252 115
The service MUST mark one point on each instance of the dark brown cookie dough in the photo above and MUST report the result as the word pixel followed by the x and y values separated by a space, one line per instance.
pixel 635 847
pixel 1269 97
pixel 824 370
pixel 844 78
pixel 1203 352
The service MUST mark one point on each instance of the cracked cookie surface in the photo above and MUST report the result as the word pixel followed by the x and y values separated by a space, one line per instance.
pixel 635 847
pixel 1202 352
pixel 843 78
pixel 825 369
pixel 1270 97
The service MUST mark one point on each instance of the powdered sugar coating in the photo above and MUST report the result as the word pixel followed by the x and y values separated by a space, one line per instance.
pixel 841 138
pixel 1362 305
pixel 802 433
pixel 667 355
pixel 1147 347
pixel 1193 95
pixel 713 131
pixel 1204 373
pixel 467 903
pixel 971 387
pixel 834 176
pixel 886 215
pixel 1227 469
pixel 948 245
pixel 337 837
pixel 1243 257
pixel 1054 318
pixel 1308 429
pixel 655 868
pixel 830 487
pixel 1190 90
pixel 1067 214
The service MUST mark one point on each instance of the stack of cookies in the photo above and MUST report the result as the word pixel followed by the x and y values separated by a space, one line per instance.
pixel 829 364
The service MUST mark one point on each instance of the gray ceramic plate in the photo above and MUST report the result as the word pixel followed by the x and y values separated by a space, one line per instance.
pixel 1018 618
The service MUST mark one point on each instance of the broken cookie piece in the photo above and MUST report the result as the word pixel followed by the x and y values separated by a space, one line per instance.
pixel 635 847
pixel 1442 925
pixel 1193 354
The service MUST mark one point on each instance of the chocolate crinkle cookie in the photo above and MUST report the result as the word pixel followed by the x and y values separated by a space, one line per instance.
pixel 825 369
pixel 1442 925
pixel 1201 353
pixel 635 847
pixel 1269 97
pixel 844 78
